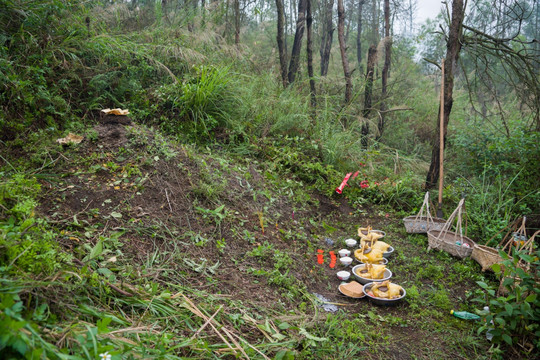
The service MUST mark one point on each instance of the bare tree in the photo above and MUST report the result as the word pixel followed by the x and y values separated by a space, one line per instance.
pixel 327 35
pixel 374 22
pixel 359 34
pixel 453 47
pixel 297 44
pixel 280 41
pixel 237 22
pixel 343 49
pixel 386 67
pixel 372 55
pixel 309 21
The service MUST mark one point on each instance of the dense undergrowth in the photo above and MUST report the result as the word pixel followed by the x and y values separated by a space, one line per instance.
pixel 57 71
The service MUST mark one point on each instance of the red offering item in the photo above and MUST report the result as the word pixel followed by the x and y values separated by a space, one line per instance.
pixel 333 259
pixel 320 258
pixel 340 188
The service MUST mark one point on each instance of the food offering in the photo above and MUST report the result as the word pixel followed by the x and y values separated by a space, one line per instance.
pixel 386 290
pixel 368 233
pixel 384 261
pixel 376 244
pixel 367 273
pixel 352 289
pixel 372 276
pixel 372 240
pixel 370 271
pixel 368 255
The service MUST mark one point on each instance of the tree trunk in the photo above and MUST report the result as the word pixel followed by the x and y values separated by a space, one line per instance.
pixel 359 36
pixel 236 13
pixel 374 22
pixel 343 49
pixel 297 44
pixel 348 27
pixel 280 42
pixel 237 22
pixel 309 22
pixel 453 46
pixel 191 24
pixel 328 32
pixel 372 54
pixel 386 67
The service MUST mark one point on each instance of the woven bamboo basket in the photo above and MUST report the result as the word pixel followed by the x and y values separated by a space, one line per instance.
pixel 451 242
pixel 422 223
pixel 487 256
pixel 454 243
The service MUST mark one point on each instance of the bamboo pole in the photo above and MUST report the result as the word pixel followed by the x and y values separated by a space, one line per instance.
pixel 441 145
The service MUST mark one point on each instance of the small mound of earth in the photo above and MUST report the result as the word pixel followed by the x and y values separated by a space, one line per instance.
pixel 111 130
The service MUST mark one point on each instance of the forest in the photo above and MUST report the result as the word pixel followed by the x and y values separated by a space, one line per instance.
pixel 197 220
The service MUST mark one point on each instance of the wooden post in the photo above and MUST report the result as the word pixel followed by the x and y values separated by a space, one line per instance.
pixel 441 145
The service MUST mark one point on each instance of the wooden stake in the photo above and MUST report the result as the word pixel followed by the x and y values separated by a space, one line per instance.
pixel 441 146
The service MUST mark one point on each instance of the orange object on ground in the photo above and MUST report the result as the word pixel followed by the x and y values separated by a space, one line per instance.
pixel 333 259
pixel 320 258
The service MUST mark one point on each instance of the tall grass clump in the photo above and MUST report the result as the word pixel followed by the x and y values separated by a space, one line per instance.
pixel 202 106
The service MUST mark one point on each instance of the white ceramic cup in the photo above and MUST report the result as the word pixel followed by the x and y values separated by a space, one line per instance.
pixel 346 260
pixel 343 275
pixel 344 252
pixel 351 242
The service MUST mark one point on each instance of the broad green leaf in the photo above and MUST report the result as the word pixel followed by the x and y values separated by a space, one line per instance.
pixel 311 337
pixel 531 298
pixel 284 355
pixel 521 273
pixel 483 285
pixel 102 325
pixel 496 268
pixel 509 309
pixel 507 338
pixel 508 281
pixel 528 258
pixel 20 346
pixel 97 250
pixel 116 215
pixel 279 336
pixel 105 272
pixel 284 326
pixel 280 354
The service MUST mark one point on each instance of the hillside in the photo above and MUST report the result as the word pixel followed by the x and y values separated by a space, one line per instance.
pixel 193 226
pixel 153 238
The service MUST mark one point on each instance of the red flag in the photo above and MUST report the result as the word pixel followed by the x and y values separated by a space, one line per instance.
pixel 339 189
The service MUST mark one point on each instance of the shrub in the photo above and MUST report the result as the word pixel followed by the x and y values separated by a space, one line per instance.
pixel 515 318
pixel 24 240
